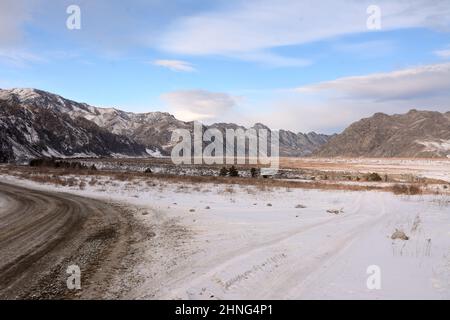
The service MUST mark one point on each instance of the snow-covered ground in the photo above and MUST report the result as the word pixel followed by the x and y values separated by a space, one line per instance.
pixel 438 168
pixel 244 242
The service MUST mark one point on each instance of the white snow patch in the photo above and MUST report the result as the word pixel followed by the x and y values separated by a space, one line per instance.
pixel 155 154
pixel 22 93
pixel 31 135
pixel 241 248
pixel 50 152
pixel 440 145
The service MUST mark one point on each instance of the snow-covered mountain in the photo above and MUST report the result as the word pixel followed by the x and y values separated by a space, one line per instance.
pixel 36 123
pixel 28 130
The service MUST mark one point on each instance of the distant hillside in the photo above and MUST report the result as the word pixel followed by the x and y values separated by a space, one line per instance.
pixel 35 123
pixel 32 132
pixel 414 134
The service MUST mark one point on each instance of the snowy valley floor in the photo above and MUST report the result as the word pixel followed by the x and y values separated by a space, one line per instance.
pixel 215 241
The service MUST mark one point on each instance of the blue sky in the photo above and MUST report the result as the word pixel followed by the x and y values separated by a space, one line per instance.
pixel 300 65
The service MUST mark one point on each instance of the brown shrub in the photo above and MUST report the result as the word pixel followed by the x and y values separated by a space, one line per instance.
pixel 373 177
pixel 407 189
pixel 399 234
pixel 414 189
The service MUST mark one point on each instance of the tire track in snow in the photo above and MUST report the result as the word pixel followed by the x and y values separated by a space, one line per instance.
pixel 274 258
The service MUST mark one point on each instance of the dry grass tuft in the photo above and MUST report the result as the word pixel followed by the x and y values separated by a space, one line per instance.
pixel 399 234
pixel 410 189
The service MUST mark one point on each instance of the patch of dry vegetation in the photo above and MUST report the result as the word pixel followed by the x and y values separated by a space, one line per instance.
pixel 57 176
pixel 399 234
pixel 408 189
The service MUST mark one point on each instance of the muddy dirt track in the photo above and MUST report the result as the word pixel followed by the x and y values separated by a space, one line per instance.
pixel 42 233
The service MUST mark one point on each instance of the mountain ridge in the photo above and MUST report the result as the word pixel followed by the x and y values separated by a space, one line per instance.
pixel 146 134
pixel 36 123
pixel 415 134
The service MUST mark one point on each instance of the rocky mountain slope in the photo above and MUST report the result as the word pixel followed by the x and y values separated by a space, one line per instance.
pixel 414 134
pixel 36 123
pixel 35 132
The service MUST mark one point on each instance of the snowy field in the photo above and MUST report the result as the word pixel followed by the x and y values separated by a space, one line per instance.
pixel 438 168
pixel 246 242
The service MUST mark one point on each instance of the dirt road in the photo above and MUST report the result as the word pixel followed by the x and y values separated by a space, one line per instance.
pixel 42 233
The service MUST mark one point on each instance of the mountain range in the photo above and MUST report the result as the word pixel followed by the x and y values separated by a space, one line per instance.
pixel 35 123
pixel 416 134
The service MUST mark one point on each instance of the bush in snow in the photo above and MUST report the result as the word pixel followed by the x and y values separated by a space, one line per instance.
pixel 223 172
pixel 233 172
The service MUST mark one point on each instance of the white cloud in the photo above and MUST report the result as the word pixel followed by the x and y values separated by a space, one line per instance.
pixel 18 57
pixel 244 29
pixel 408 84
pixel 253 26
pixel 445 53
pixel 330 115
pixel 272 60
pixel 331 106
pixel 189 105
pixel 175 65
pixel 326 107
pixel 13 15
